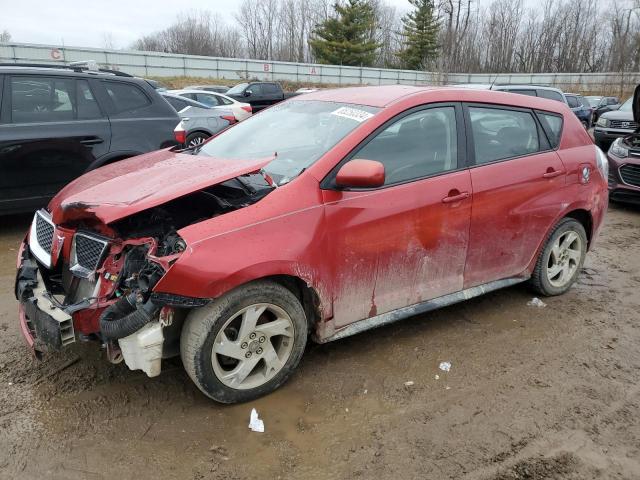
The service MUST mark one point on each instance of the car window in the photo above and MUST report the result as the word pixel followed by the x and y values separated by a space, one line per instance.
pixel 572 101
pixel 499 134
pixel 584 102
pixel 269 88
pixel 42 99
pixel 208 99
pixel 256 89
pixel 87 105
pixel 612 101
pixel 177 103
pixel 238 89
pixel 553 126
pixel 125 96
pixel 531 93
pixel 551 95
pixel 225 101
pixel 421 144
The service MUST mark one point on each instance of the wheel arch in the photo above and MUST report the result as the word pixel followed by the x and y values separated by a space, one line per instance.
pixel 111 158
pixel 586 220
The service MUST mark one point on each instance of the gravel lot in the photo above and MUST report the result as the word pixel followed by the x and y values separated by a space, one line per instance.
pixel 533 393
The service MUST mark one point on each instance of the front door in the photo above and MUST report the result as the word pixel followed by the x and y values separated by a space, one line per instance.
pixel 405 242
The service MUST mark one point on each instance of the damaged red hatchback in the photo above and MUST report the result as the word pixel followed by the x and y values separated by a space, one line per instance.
pixel 328 214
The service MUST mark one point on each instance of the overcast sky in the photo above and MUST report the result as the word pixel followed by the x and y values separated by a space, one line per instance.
pixel 86 22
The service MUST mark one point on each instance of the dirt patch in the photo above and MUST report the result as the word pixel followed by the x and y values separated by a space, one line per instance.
pixel 533 393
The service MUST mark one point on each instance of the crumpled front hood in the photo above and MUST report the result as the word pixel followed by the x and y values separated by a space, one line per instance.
pixel 129 186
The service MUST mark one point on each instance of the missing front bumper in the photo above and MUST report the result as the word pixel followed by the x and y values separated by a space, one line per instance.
pixel 44 325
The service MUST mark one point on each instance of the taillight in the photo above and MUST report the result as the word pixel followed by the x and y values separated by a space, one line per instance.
pixel 180 134
pixel 230 118
pixel 247 108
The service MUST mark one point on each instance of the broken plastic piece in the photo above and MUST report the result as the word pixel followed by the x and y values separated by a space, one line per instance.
pixel 445 366
pixel 536 302
pixel 255 423
pixel 408 384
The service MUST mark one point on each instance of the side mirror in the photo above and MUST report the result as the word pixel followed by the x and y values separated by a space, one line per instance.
pixel 247 93
pixel 361 174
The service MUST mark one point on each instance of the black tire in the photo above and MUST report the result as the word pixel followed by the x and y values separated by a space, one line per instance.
pixel 203 325
pixel 539 279
pixel 195 139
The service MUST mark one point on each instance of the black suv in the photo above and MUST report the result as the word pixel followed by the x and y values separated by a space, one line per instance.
pixel 58 122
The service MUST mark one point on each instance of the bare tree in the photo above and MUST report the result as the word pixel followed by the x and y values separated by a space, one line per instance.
pixel 5 36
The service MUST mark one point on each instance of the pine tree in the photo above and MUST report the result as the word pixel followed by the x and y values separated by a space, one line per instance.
pixel 420 31
pixel 345 39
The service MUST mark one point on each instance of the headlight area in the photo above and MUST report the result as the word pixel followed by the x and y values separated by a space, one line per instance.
pixel 137 327
pixel 619 149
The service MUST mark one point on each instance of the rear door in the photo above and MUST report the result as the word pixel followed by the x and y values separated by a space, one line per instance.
pixel 141 121
pixel 51 130
pixel 517 182
pixel 405 242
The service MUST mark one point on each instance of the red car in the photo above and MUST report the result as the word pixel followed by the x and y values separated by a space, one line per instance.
pixel 326 215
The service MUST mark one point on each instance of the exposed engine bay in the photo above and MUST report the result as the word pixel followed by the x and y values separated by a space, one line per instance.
pixel 97 283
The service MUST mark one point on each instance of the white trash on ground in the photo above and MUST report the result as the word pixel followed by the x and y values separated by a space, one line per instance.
pixel 255 423
pixel 536 302
pixel 445 366
pixel 408 384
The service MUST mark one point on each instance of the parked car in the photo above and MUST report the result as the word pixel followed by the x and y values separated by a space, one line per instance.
pixel 208 88
pixel 333 213
pixel 58 122
pixel 614 124
pixel 259 94
pixel 198 121
pixel 602 105
pixel 581 107
pixel 240 110
pixel 551 93
pixel 624 156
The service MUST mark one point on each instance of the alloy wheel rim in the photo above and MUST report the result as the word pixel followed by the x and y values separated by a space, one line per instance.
pixel 196 141
pixel 564 259
pixel 253 346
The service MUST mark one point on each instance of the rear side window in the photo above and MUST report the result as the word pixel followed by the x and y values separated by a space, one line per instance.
pixel 416 146
pixel 207 99
pixel 177 103
pixel 41 99
pixel 87 106
pixel 553 126
pixel 269 88
pixel 500 134
pixel 551 95
pixel 256 89
pixel 572 101
pixel 126 97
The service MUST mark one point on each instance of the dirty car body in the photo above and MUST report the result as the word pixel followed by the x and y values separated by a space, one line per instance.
pixel 325 215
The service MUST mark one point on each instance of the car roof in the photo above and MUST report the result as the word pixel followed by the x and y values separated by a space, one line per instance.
pixel 383 96
pixel 193 103
pixel 33 69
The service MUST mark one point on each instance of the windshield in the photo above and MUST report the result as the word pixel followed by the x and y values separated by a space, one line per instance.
pixel 626 106
pixel 593 101
pixel 295 134
pixel 237 89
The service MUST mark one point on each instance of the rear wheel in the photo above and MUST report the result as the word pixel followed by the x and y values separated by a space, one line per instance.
pixel 196 139
pixel 561 258
pixel 246 343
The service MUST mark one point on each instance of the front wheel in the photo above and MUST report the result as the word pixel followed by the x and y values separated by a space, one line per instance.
pixel 246 343
pixel 561 258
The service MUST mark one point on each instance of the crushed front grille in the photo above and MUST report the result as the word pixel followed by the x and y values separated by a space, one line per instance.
pixel 44 233
pixel 86 255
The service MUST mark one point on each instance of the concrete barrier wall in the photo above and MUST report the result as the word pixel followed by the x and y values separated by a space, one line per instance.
pixel 172 65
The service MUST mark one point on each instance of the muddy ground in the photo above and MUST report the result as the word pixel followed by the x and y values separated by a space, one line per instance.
pixel 533 393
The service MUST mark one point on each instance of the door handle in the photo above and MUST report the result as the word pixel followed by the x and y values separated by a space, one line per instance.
pixel 91 141
pixel 455 197
pixel 551 173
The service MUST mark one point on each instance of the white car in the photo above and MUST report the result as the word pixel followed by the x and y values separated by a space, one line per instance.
pixel 240 110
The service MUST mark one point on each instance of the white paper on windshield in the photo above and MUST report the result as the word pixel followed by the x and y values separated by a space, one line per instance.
pixel 352 113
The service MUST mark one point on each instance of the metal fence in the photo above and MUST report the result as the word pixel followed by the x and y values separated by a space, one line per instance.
pixel 155 64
